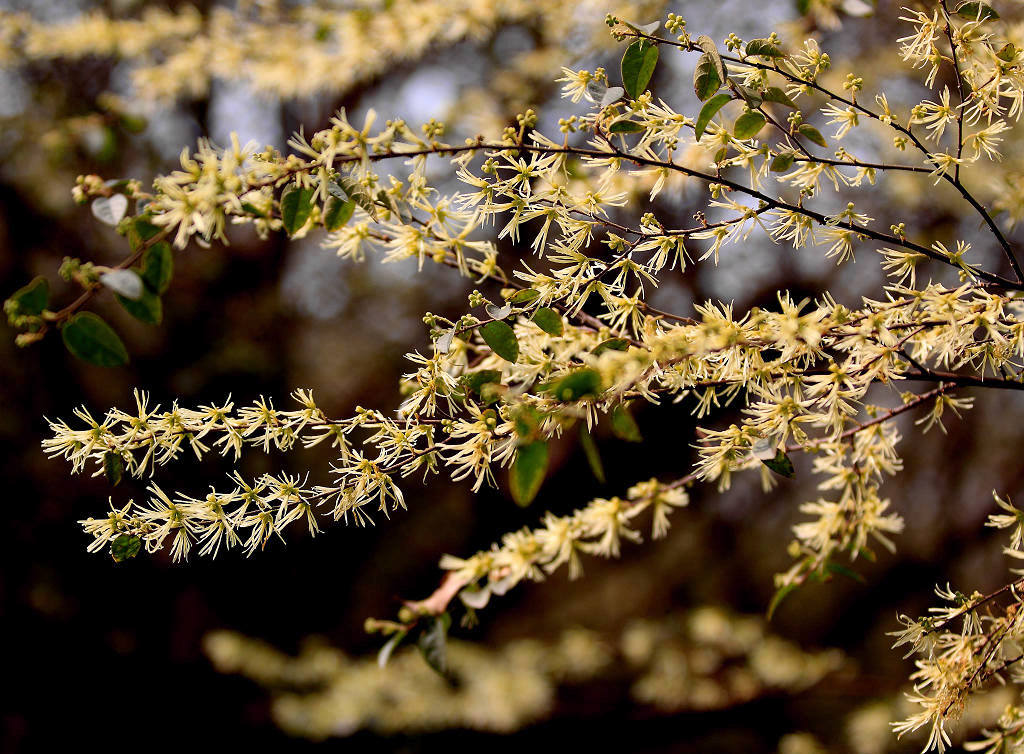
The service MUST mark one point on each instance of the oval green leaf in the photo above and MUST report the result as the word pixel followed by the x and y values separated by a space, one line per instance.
pixel 1007 53
pixel 707 44
pixel 751 96
pixel 710 109
pixel 549 321
pixel 705 78
pixel 748 124
pixel 527 472
pixel 524 296
pixel 638 63
pixel 782 162
pixel 575 385
pixel 527 422
pixel 158 267
pixel 125 547
pixel 625 127
pixel 433 643
pixel 781 464
pixel 764 49
pixel 343 187
pixel 337 212
pixel 612 344
pixel 813 134
pixel 92 340
pixel 296 206
pixel 113 467
pixel 778 96
pixel 474 381
pixel 31 299
pixel 502 340
pixel 624 426
pixel 976 11
pixel 147 308
pixel 141 230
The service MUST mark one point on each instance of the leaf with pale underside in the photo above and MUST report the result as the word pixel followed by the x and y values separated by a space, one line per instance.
pixel 110 209
pixel 706 80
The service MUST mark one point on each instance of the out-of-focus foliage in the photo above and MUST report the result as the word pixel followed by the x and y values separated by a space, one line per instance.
pixel 699 661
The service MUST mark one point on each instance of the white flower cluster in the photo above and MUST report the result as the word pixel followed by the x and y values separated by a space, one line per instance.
pixel 501 381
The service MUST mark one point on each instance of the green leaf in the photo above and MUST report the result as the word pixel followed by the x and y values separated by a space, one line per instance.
pixel 782 162
pixel 624 426
pixel 343 187
pixel 502 340
pixel 625 127
pixel 526 420
pixel 707 44
pixel 781 464
pixel 474 381
pixel 296 207
pixel 575 385
pixel 779 596
pixel 976 11
pixel 524 296
pixel 492 392
pixel 389 647
pixel 91 339
pixel 31 299
pixel 612 344
pixel 147 308
pixel 141 230
pixel 721 154
pixel 802 6
pixel 113 467
pixel 527 472
pixel 750 96
pixel 125 547
pixel 1007 53
pixel 549 321
pixel 748 124
pixel 813 134
pixel 778 96
pixel 705 78
pixel 710 109
pixel 252 209
pixel 158 267
pixel 592 454
pixel 433 643
pixel 764 48
pixel 338 212
pixel 638 64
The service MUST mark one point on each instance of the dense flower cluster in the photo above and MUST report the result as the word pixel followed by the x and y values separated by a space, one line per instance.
pixel 531 362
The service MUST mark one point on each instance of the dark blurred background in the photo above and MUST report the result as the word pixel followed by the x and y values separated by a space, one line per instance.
pixel 110 655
